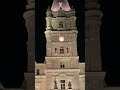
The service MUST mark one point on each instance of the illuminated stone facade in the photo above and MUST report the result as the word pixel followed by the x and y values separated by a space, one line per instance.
pixel 61 69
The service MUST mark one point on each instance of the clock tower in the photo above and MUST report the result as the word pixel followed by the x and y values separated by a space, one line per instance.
pixel 61 69
pixel 61 32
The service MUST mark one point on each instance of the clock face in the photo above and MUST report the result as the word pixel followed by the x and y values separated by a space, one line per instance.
pixel 61 38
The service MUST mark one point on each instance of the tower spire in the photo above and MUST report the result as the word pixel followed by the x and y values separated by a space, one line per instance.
pixel 57 4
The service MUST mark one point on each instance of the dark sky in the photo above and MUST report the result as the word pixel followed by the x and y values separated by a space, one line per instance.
pixel 13 47
pixel 13 38
pixel 110 41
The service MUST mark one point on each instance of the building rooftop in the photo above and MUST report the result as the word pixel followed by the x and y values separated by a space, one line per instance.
pixel 63 4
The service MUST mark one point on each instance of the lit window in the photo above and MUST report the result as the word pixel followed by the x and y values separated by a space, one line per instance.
pixel 38 72
pixel 61 50
pixel 62 84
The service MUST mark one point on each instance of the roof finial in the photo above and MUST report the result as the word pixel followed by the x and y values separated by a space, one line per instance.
pixel 57 4
pixel 60 4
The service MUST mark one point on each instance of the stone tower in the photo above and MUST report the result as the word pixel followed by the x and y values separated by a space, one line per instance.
pixel 61 31
pixel 61 69
pixel 29 16
pixel 93 65
pixel 61 37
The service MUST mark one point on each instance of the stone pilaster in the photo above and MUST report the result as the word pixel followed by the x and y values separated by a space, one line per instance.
pixel 92 33
pixel 93 65
pixel 29 16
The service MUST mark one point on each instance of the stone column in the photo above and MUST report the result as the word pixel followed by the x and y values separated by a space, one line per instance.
pixel 92 33
pixel 93 66
pixel 29 16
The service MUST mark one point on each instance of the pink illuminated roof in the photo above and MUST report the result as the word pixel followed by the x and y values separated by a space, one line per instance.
pixel 57 4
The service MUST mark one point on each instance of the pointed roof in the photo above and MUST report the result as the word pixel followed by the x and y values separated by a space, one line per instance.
pixel 63 4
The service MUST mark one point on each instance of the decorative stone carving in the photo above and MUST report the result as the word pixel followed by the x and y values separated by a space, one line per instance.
pixel 69 85
pixel 55 84
pixel 49 13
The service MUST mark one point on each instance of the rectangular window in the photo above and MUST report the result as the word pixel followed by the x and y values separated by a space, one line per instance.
pixel 62 84
pixel 61 51
pixel 62 65
pixel 38 72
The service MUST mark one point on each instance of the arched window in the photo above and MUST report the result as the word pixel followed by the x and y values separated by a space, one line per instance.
pixel 55 50
pixel 61 50
pixel 67 50
pixel 60 24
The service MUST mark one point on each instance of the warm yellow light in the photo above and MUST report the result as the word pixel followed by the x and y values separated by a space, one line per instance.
pixel 61 38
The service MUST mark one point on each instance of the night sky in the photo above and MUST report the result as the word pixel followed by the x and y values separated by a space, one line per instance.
pixel 110 41
pixel 13 48
pixel 13 60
